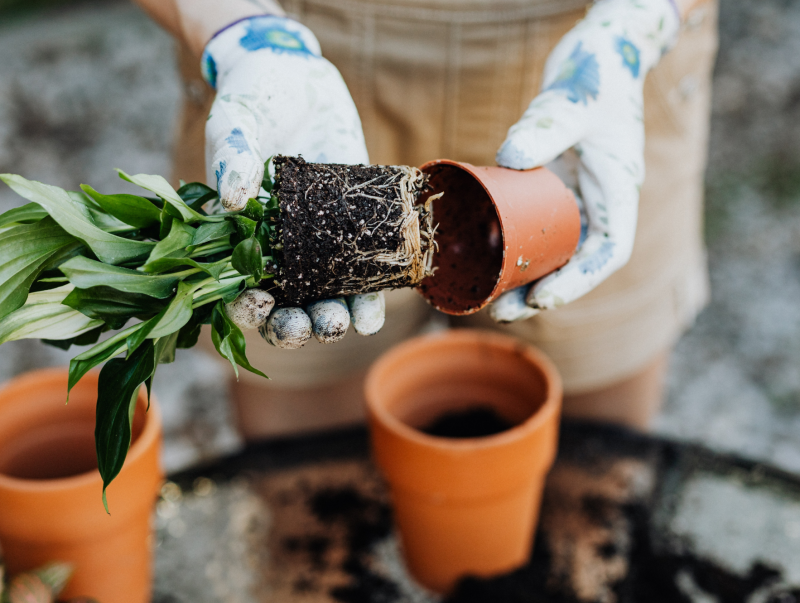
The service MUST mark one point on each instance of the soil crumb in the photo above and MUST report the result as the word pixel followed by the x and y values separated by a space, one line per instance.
pixel 477 421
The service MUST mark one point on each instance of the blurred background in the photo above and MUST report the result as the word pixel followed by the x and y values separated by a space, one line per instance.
pixel 89 86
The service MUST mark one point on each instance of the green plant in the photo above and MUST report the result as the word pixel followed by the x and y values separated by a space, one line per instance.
pixel 74 265
pixel 42 585
pixel 77 264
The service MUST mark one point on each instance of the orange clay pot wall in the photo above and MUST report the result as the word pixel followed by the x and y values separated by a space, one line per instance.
pixel 50 489
pixel 497 229
pixel 464 506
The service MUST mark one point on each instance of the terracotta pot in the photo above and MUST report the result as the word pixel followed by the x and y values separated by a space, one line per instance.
pixel 464 506
pixel 498 229
pixel 50 489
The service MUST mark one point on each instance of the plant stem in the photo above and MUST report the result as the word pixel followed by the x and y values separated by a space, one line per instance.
pixel 210 248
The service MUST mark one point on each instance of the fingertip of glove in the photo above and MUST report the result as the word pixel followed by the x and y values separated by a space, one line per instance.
pixel 511 307
pixel 287 328
pixel 367 312
pixel 512 156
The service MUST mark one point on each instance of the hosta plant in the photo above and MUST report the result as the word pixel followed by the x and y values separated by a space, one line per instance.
pixel 137 276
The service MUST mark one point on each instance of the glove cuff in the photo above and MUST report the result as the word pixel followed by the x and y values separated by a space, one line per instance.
pixel 263 33
pixel 645 29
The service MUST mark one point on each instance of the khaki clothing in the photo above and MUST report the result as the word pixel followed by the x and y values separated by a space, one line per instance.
pixel 446 79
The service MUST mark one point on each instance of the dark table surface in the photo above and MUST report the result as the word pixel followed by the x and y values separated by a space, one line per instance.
pixel 625 518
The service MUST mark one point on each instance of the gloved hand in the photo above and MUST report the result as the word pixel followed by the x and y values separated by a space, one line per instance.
pixel 277 94
pixel 592 101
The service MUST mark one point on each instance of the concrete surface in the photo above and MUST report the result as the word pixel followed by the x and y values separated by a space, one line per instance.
pixel 625 519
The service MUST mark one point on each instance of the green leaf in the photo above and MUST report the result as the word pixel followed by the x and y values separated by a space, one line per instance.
pixel 174 245
pixel 176 314
pixel 211 231
pixel 85 273
pixel 96 215
pixel 267 183
pixel 108 247
pixel 111 306
pixel 246 259
pixel 87 338
pixel 213 270
pixel 229 340
pixel 190 332
pixel 196 194
pixel 139 337
pixel 86 361
pixel 166 223
pixel 162 188
pixel 131 209
pixel 262 236
pixel 253 210
pixel 25 251
pixel 44 317
pixel 245 227
pixel 165 348
pixel 27 214
pixel 56 575
pixel 116 402
pixel 232 292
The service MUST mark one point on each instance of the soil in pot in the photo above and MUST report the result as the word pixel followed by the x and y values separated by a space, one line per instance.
pixel 473 421
pixel 347 229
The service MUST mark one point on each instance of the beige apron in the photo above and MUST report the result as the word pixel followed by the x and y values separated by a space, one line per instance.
pixel 446 78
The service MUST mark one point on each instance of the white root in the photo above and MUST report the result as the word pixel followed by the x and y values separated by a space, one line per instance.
pixel 251 309
pixel 417 248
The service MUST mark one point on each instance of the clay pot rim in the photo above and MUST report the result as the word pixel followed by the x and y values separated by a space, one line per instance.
pixel 143 443
pixel 538 419
pixel 471 170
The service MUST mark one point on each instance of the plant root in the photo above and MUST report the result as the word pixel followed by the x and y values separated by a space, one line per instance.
pixel 351 229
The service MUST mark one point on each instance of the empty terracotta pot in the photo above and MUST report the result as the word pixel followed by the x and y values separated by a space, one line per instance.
pixel 497 229
pixel 464 506
pixel 50 489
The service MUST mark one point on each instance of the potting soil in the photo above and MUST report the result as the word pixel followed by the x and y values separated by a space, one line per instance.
pixel 349 229
pixel 473 422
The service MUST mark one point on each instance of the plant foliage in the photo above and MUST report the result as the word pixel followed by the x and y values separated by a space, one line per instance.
pixel 145 271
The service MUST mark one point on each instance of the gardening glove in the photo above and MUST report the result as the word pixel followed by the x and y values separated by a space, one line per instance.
pixel 277 94
pixel 592 102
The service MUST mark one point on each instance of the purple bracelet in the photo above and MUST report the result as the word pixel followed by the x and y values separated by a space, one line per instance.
pixel 229 25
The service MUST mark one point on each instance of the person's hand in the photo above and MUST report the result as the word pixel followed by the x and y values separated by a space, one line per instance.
pixel 592 101
pixel 277 94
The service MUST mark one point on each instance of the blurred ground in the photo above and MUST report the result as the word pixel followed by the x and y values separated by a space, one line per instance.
pixel 735 378
pixel 90 87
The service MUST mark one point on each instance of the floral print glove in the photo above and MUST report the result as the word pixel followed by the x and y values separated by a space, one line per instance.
pixel 592 101
pixel 277 94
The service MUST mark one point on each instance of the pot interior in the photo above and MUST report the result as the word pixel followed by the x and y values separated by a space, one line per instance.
pixel 465 381
pixel 470 239
pixel 52 440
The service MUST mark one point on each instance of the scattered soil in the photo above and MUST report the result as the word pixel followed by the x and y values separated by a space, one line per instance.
pixel 365 521
pixel 655 576
pixel 475 422
pixel 349 229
